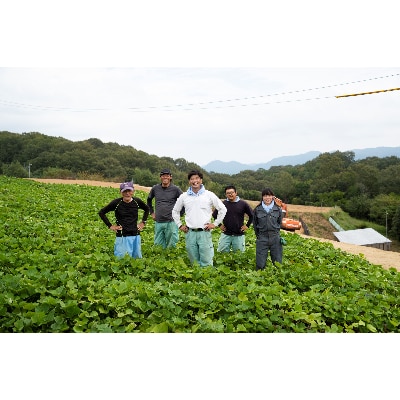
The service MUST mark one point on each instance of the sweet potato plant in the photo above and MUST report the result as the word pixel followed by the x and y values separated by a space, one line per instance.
pixel 58 274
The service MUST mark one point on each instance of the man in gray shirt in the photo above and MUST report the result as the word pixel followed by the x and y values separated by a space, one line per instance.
pixel 166 232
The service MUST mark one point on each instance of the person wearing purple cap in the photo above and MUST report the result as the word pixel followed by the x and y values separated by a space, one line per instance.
pixel 126 227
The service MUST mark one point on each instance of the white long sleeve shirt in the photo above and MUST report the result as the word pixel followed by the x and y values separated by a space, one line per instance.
pixel 198 209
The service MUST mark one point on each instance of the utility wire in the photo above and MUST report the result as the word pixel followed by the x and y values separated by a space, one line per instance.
pixel 361 94
pixel 216 104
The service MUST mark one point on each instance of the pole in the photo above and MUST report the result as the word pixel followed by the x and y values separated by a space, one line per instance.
pixel 386 224
pixel 29 170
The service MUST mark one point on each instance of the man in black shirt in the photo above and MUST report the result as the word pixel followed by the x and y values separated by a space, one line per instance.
pixel 233 227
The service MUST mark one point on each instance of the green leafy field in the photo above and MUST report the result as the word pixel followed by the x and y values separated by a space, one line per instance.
pixel 58 274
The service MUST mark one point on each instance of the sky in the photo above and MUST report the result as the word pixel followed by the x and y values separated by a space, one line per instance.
pixel 249 115
pixel 225 93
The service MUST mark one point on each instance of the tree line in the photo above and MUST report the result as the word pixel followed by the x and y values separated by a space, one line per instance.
pixel 367 189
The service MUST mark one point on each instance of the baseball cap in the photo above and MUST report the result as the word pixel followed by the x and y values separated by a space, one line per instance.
pixel 126 186
pixel 165 171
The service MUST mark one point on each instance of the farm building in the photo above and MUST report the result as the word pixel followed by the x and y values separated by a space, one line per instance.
pixel 364 237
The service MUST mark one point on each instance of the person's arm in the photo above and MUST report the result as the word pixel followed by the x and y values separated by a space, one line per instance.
pixel 179 193
pixel 255 222
pixel 246 211
pixel 150 198
pixel 143 206
pixel 215 216
pixel 280 217
pixel 221 210
pixel 176 211
pixel 249 213
pixel 102 214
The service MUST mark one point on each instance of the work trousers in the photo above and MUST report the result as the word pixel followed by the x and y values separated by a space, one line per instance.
pixel 166 234
pixel 226 242
pixel 199 247
pixel 268 243
pixel 131 245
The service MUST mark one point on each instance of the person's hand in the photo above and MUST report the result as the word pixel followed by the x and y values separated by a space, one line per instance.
pixel 116 228
pixel 278 201
pixel 184 228
pixel 244 228
pixel 208 227
pixel 140 226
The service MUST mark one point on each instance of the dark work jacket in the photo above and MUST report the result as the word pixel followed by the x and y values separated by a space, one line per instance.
pixel 267 223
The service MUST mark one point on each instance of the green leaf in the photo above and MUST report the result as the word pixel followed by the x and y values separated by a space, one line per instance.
pixel 159 328
pixel 242 296
pixel 19 324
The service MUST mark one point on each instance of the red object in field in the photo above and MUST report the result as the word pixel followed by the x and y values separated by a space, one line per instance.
pixel 290 224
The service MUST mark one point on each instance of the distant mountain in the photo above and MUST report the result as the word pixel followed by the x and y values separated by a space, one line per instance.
pixel 380 152
pixel 231 167
pixel 234 167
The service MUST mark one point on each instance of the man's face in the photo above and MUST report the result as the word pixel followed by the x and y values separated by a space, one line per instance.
pixel 195 182
pixel 231 194
pixel 127 195
pixel 165 179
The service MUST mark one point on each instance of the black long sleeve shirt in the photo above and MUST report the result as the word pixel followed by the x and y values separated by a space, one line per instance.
pixel 126 215
pixel 234 218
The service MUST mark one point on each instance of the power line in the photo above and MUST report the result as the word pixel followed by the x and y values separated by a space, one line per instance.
pixel 361 94
pixel 215 104
pixel 203 105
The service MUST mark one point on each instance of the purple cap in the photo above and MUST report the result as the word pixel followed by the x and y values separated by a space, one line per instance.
pixel 126 186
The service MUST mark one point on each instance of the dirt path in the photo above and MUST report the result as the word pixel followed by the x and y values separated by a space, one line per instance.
pixel 386 259
pixel 89 183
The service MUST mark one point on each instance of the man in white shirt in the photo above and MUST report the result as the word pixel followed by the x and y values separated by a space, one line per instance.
pixel 199 204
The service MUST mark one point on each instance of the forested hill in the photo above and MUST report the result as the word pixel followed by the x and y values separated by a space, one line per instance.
pixel 367 189
pixel 56 157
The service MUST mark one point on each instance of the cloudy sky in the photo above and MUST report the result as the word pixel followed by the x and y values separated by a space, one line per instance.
pixel 250 115
pixel 248 90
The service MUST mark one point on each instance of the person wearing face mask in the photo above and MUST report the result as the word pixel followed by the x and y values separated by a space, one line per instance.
pixel 127 229
pixel 233 227
pixel 198 204
pixel 267 224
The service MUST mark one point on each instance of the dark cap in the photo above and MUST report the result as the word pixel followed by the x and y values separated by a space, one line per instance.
pixel 165 171
pixel 126 186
